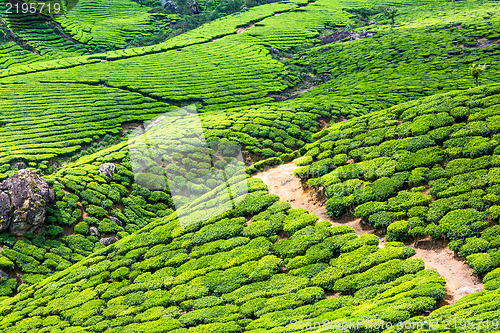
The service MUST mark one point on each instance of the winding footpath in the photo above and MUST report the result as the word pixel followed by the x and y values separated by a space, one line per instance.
pixel 459 277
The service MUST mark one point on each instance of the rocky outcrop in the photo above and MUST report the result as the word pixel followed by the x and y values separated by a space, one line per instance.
pixel 107 169
pixel 108 240
pixel 195 7
pixel 19 165
pixel 23 198
pixel 3 275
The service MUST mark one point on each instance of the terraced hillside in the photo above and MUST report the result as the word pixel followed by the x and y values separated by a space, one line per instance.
pixel 249 269
pixel 381 119
pixel 247 74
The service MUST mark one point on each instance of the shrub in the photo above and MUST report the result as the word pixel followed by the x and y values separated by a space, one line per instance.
pixel 264 228
pixel 369 239
pixel 456 245
pixel 481 263
pixel 9 239
pixel 7 286
pixel 417 232
pixel 493 275
pixel 384 187
pixel 406 200
pixel 6 263
pixel 306 160
pixel 435 231
pixel 494 176
pixel 298 219
pixel 418 176
pixel 412 265
pixel 120 273
pixel 422 158
pixel 106 226
pixel 492 235
pixel 379 274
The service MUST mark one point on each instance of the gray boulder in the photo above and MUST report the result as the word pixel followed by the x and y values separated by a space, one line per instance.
pixel 108 240
pixel 107 169
pixel 23 198
pixel 117 221
pixel 19 165
pixel 195 7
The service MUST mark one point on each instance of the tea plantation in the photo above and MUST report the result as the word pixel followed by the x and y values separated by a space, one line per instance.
pixel 227 275
pixel 385 122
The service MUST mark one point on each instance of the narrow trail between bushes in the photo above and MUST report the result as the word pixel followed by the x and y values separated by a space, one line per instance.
pixel 458 275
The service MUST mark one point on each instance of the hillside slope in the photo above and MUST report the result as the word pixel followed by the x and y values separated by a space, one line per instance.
pixel 254 268
pixel 426 168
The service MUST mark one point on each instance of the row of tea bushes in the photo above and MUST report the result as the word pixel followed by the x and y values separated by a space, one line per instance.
pixel 64 127
pixel 11 54
pixel 245 75
pixel 58 119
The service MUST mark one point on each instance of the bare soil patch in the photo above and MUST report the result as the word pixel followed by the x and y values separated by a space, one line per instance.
pixel 243 29
pixel 459 277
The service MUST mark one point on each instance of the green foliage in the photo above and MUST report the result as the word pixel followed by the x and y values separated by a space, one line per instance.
pixel 82 228
pixel 445 149
pixel 398 231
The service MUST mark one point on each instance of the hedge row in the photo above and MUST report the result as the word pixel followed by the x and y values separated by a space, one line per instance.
pixel 418 169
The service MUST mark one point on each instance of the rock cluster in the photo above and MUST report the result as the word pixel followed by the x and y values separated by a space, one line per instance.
pixel 341 35
pixel 23 198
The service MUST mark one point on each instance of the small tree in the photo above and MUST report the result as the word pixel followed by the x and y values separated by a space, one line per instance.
pixel 391 13
pixel 476 71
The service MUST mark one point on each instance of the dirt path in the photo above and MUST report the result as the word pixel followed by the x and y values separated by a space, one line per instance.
pixel 458 275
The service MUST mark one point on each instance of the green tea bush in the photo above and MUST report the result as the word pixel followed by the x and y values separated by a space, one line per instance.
pixel 463 223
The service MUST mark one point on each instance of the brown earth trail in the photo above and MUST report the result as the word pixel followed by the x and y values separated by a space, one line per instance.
pixel 458 275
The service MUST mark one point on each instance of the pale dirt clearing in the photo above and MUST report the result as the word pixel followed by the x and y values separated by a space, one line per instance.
pixel 458 275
